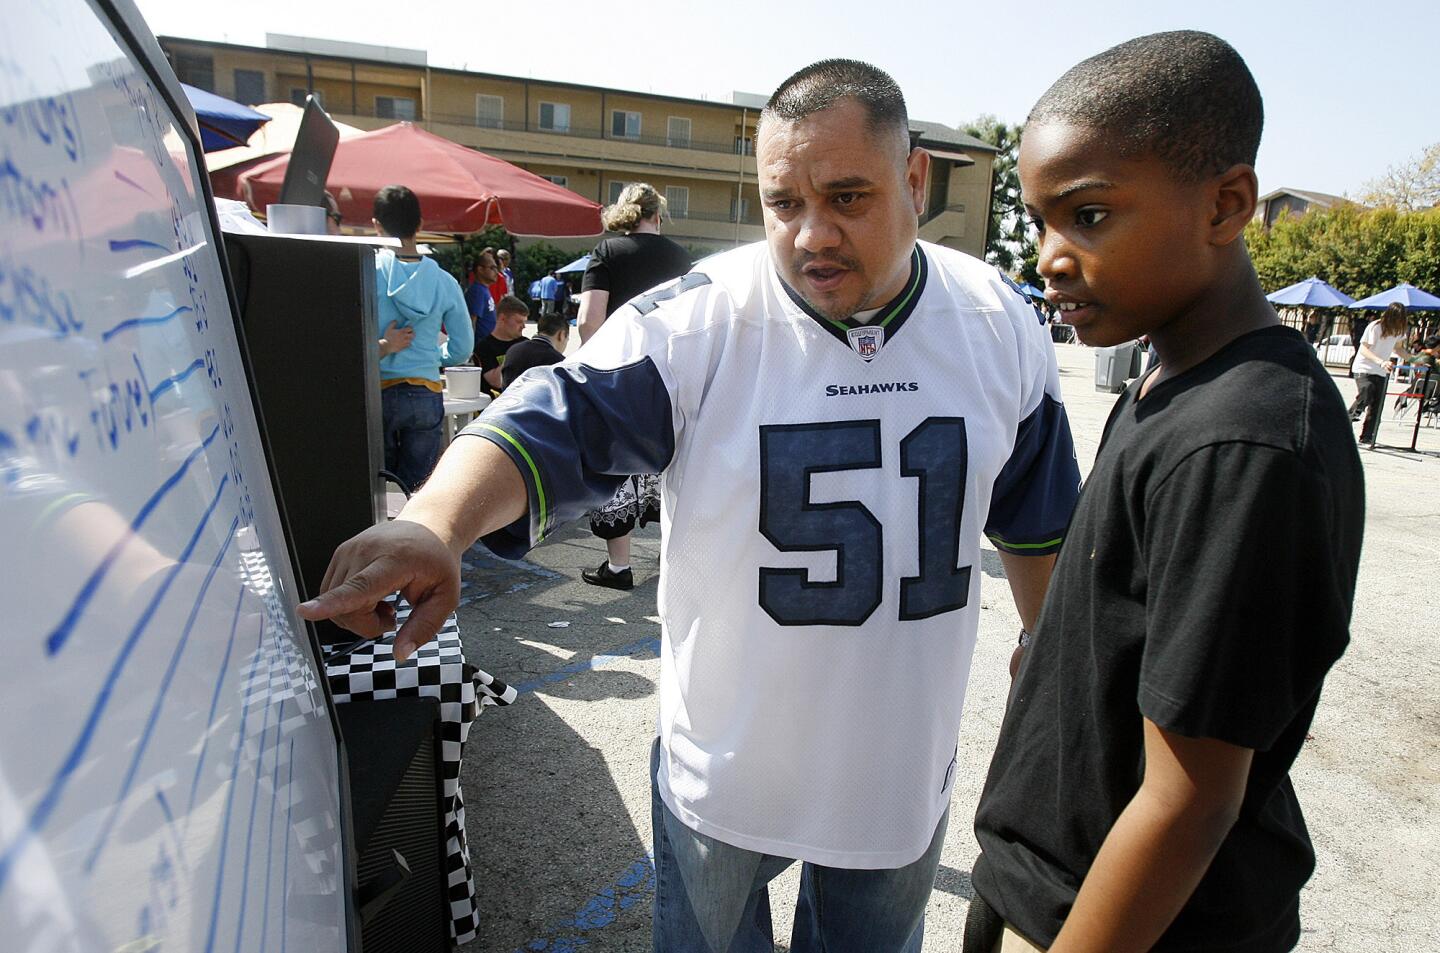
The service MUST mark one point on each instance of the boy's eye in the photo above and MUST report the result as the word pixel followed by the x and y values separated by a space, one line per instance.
pixel 847 198
pixel 1037 223
pixel 1088 217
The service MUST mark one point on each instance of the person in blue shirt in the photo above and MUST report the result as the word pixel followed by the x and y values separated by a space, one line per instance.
pixel 549 293
pixel 414 295
pixel 478 298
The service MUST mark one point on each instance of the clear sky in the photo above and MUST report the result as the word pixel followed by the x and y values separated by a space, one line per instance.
pixel 1350 88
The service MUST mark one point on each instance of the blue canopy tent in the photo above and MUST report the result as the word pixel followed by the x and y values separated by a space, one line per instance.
pixel 1310 293
pixel 1032 291
pixel 578 265
pixel 1407 294
pixel 223 123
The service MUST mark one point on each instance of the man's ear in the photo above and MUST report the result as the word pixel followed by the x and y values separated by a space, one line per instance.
pixel 1235 193
pixel 917 173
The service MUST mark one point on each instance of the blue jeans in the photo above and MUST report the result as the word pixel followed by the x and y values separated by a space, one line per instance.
pixel 712 897
pixel 412 418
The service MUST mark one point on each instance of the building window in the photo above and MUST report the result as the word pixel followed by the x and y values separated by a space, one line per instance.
pixel 560 180
pixel 744 210
pixel 615 189
pixel 677 132
pixel 489 111
pixel 555 117
pixel 196 70
pixel 394 107
pixel 744 146
pixel 249 86
pixel 624 124
pixel 298 94
pixel 677 200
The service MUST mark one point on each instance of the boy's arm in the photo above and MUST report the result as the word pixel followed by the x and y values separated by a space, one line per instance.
pixel 1160 846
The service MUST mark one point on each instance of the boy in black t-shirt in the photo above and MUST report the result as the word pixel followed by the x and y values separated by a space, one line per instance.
pixel 1139 796
pixel 510 316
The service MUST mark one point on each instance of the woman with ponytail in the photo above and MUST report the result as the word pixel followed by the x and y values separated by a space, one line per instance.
pixel 621 268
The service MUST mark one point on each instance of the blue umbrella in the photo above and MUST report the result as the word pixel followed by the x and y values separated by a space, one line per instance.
pixel 579 264
pixel 1407 294
pixel 1310 293
pixel 1031 290
pixel 223 123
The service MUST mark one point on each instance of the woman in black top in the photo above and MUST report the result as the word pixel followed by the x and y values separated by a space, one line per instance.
pixel 620 269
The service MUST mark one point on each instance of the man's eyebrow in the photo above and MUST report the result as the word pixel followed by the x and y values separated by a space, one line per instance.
pixel 773 193
pixel 849 182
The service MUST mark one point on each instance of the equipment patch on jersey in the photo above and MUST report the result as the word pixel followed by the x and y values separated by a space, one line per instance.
pixel 866 341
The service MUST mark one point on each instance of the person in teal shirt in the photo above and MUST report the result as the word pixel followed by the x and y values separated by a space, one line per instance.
pixel 415 300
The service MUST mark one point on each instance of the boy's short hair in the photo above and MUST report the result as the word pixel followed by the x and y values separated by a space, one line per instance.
pixel 821 85
pixel 510 304
pixel 552 323
pixel 1186 97
pixel 397 209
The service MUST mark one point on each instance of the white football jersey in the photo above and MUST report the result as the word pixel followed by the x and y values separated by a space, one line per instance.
pixel 824 490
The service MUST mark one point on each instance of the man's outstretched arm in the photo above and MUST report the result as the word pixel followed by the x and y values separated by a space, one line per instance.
pixel 474 490
pixel 1029 577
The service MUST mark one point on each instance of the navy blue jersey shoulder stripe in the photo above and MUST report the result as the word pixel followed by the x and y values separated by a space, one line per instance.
pixel 891 317
pixel 1036 491
pixel 575 432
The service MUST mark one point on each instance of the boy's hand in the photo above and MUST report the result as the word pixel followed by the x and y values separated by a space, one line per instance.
pixel 400 555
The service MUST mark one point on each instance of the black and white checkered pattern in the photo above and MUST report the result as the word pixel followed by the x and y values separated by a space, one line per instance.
pixel 437 670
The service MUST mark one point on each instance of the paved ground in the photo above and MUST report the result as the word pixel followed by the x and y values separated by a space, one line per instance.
pixel 559 798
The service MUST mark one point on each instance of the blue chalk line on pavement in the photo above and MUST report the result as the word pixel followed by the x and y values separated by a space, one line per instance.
pixel 635 885
pixel 651 643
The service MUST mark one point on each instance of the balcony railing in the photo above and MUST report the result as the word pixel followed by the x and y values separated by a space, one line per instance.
pixel 579 132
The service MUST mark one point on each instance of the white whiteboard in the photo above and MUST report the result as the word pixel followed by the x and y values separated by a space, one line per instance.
pixel 168 769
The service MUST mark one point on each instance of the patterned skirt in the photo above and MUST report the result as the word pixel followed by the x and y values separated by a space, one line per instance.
pixel 636 503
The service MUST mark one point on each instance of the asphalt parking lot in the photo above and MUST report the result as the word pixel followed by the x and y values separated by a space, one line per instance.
pixel 557 791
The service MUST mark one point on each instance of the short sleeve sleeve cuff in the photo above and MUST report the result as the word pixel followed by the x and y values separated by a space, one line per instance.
pixel 1035 493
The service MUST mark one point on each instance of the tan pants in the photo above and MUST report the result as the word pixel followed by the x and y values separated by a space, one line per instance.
pixel 1012 942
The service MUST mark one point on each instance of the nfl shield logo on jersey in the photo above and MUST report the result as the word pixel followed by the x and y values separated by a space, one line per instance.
pixel 866 341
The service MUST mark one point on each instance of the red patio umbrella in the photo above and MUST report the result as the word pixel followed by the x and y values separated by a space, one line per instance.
pixel 460 189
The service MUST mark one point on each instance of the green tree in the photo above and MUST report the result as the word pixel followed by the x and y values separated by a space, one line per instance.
pixel 1359 251
pixel 1009 240
pixel 537 260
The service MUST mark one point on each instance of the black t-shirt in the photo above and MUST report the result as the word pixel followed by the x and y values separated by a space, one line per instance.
pixel 528 353
pixel 1205 583
pixel 631 265
pixel 492 352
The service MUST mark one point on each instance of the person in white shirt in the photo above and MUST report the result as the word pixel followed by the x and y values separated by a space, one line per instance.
pixel 1372 366
pixel 837 415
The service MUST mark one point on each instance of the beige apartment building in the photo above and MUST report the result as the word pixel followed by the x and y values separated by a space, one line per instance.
pixel 590 139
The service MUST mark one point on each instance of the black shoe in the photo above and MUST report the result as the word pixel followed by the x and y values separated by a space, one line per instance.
pixel 602 576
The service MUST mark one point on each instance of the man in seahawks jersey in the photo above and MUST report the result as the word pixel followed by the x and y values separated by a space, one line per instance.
pixel 837 415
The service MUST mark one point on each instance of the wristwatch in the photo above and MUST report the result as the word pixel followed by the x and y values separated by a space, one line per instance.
pixel 1024 637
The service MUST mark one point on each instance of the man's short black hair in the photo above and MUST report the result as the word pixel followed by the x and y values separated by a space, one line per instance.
pixel 821 85
pixel 552 323
pixel 397 209
pixel 1186 97
pixel 509 304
